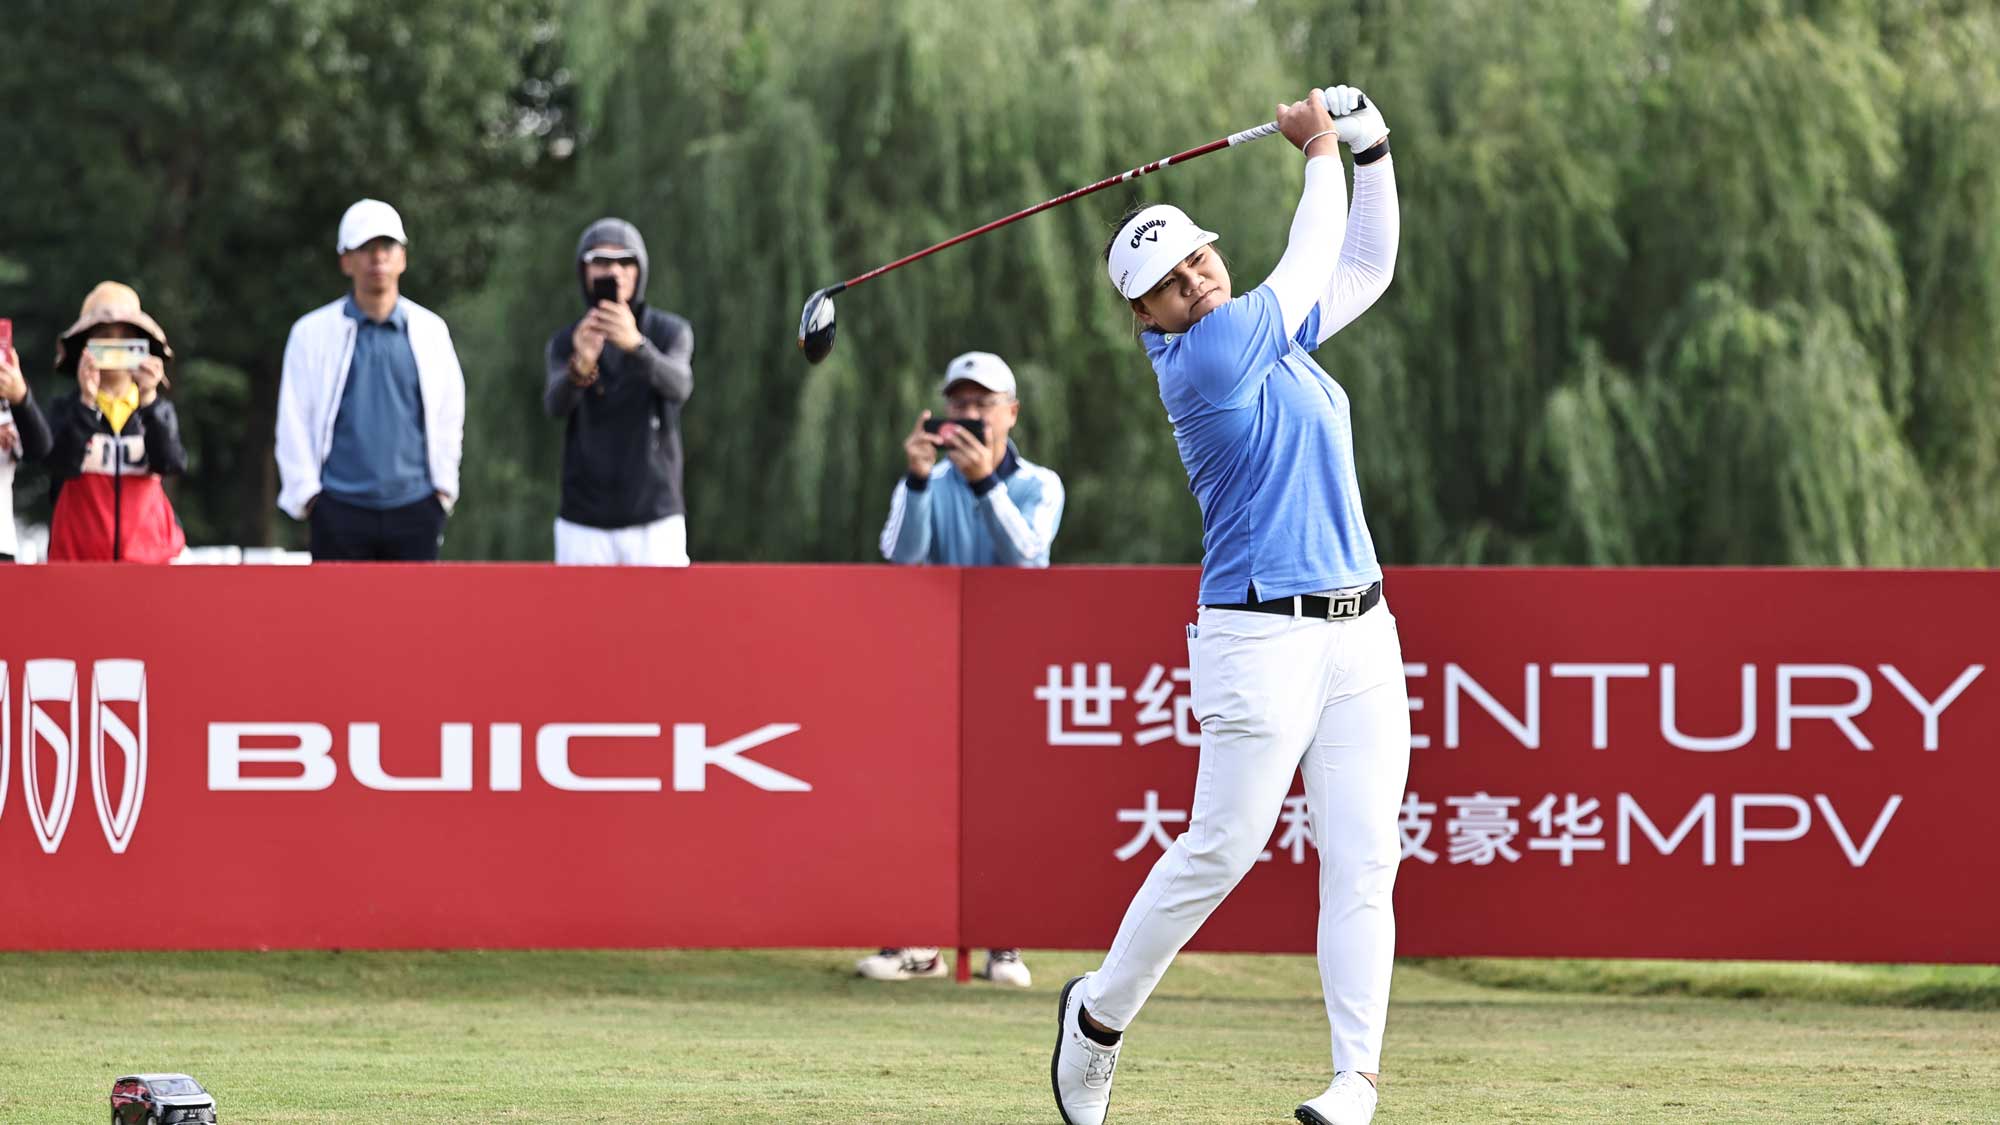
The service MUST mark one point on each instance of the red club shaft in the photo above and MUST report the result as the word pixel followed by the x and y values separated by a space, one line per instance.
pixel 1108 181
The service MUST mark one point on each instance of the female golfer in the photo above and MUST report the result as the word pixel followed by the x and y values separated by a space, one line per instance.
pixel 1295 656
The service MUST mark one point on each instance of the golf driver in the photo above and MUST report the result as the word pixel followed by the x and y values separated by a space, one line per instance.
pixel 816 321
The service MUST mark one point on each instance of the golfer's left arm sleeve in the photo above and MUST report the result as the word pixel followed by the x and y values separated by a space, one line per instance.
pixel 1023 538
pixel 1318 228
pixel 1368 255
pixel 670 369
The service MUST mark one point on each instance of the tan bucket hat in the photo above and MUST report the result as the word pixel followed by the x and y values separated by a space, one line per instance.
pixel 111 302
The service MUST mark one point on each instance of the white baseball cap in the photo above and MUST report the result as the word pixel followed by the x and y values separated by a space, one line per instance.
pixel 1149 245
pixel 367 220
pixel 983 368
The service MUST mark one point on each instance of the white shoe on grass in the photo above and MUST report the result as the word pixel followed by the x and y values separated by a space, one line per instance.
pixel 1349 1101
pixel 1004 966
pixel 908 963
pixel 1081 1069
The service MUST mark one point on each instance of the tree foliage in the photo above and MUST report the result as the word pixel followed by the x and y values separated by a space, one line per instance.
pixel 1681 282
pixel 204 152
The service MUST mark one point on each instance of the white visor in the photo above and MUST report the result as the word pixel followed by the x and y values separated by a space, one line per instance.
pixel 1149 245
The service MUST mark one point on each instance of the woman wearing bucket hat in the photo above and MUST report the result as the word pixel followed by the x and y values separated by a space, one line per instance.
pixel 114 437
pixel 1297 665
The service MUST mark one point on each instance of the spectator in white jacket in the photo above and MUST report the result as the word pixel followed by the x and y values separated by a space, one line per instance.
pixel 371 411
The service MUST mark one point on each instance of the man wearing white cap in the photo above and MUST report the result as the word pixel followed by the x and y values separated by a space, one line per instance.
pixel 371 410
pixel 980 504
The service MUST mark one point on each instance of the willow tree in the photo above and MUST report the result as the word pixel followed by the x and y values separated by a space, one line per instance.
pixel 1719 283
pixel 1681 282
pixel 768 149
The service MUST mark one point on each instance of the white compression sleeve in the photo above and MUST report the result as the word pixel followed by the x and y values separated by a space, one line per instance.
pixel 1368 254
pixel 1301 277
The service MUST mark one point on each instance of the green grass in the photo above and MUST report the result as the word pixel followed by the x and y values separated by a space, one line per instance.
pixel 788 1036
pixel 1958 987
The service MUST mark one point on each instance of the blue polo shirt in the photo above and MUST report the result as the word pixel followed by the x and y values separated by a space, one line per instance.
pixel 379 457
pixel 1269 450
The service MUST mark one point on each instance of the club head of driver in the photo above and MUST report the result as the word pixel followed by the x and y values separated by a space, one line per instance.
pixel 816 327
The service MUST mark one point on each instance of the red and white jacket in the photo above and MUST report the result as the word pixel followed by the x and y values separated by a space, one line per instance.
pixel 109 505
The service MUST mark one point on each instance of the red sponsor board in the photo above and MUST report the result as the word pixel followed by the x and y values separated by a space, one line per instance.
pixel 1628 763
pixel 1780 764
pixel 477 756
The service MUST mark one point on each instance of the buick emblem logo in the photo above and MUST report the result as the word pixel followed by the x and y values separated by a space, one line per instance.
pixel 52 746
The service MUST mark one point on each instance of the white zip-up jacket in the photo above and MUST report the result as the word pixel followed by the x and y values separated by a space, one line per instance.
pixel 318 355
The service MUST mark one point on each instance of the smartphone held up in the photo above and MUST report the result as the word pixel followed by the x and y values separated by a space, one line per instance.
pixel 974 426
pixel 117 355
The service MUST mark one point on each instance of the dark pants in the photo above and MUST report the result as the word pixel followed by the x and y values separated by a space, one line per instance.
pixel 343 532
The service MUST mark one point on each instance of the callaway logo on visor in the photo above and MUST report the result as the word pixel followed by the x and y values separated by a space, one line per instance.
pixel 1149 245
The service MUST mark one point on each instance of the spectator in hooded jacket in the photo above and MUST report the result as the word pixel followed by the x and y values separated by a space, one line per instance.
pixel 371 410
pixel 114 438
pixel 618 377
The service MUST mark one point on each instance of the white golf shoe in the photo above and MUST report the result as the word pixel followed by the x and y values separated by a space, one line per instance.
pixel 910 963
pixel 1004 966
pixel 1349 1101
pixel 1081 1069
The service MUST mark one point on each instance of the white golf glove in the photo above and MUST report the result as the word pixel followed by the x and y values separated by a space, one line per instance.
pixel 1361 126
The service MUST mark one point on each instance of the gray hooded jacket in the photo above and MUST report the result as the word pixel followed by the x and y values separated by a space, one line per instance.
pixel 622 442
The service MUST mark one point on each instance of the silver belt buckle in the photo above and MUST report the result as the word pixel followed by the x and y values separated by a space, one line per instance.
pixel 1340 607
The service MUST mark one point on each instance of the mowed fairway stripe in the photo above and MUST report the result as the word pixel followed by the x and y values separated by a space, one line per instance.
pixel 757 1036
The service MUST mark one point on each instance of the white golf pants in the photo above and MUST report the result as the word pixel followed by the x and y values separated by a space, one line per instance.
pixel 1277 695
pixel 663 542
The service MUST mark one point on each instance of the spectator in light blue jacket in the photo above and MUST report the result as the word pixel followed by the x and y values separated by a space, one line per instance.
pixel 980 504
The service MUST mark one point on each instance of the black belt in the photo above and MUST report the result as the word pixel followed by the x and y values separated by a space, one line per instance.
pixel 1340 607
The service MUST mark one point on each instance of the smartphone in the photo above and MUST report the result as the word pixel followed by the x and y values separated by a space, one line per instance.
pixel 117 355
pixel 603 289
pixel 978 427
pixel 6 333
